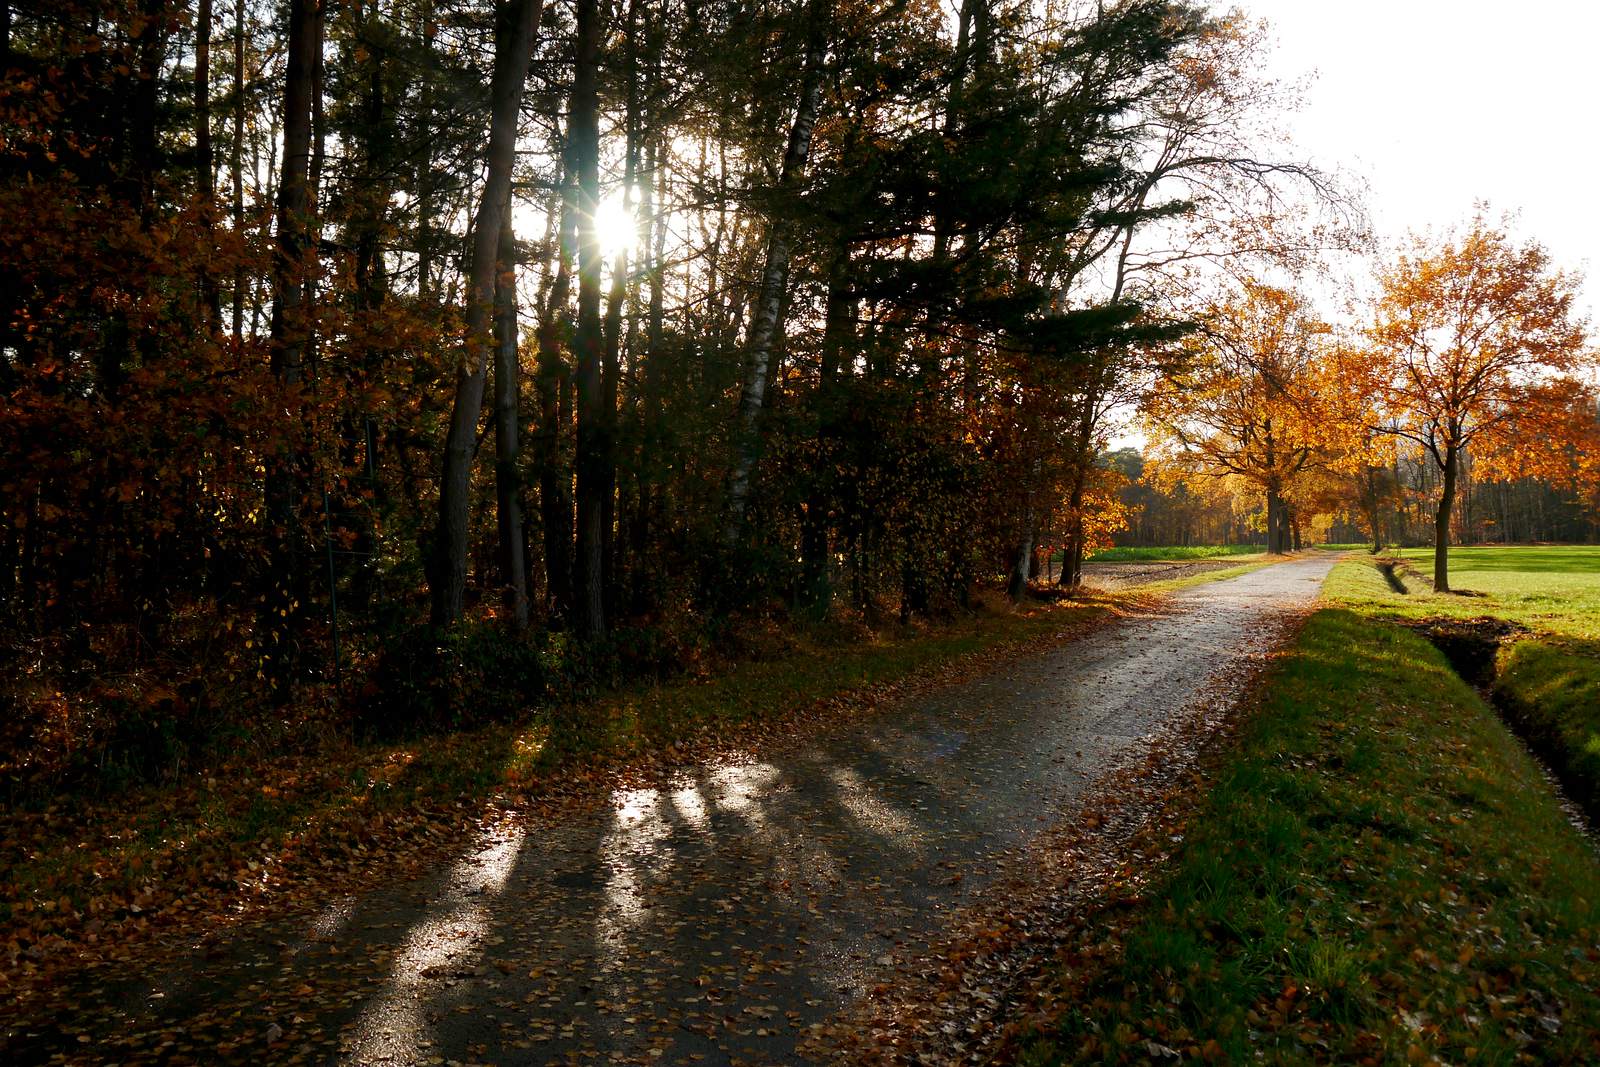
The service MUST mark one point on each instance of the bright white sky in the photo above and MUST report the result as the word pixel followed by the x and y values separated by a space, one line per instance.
pixel 1440 103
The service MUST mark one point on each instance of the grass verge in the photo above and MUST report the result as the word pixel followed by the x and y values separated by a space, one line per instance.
pixel 1551 689
pixel 1180 552
pixel 1380 874
pixel 1172 585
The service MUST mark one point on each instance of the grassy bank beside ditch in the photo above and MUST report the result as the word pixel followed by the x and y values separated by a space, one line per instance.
pixel 1551 690
pixel 1379 874
pixel 1548 673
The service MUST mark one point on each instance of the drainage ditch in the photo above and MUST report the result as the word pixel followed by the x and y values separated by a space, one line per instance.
pixel 1472 647
pixel 1386 567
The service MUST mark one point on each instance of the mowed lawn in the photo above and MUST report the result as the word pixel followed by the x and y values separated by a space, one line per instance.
pixel 1552 589
pixel 1379 872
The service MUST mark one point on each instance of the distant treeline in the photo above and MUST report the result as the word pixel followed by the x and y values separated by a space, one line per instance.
pixel 1205 513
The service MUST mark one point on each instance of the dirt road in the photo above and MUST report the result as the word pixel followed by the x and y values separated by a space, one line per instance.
pixel 711 921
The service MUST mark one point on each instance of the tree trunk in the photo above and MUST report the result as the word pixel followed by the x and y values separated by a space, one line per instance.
pixel 652 435
pixel 237 165
pixel 1275 539
pixel 838 333
pixel 205 163
pixel 145 104
pixel 515 24
pixel 611 332
pixel 507 393
pixel 287 581
pixel 319 137
pixel 764 315
pixel 555 480
pixel 372 199
pixel 1441 521
pixel 1023 570
pixel 588 342
pixel 424 174
pixel 1072 557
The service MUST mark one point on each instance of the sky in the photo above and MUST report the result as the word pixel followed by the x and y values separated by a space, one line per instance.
pixel 1438 104
pixel 1441 103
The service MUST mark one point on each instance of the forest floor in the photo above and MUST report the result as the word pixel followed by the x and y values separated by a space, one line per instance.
pixel 859 888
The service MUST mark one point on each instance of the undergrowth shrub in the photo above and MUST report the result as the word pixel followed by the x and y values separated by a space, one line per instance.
pixel 430 679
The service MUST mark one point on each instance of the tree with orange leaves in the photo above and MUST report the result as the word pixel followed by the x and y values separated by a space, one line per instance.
pixel 1473 338
pixel 1240 398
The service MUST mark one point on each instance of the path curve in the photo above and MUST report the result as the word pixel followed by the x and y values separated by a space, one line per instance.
pixel 716 920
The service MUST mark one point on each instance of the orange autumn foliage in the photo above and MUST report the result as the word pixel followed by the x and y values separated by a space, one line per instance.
pixel 1474 344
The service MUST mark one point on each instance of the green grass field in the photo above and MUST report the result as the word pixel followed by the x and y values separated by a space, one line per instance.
pixel 1172 552
pixel 1551 590
pixel 1381 873
pixel 1547 588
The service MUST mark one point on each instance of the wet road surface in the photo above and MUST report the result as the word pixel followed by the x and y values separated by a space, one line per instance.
pixel 712 921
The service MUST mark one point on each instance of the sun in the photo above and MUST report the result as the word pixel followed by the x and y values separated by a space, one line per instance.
pixel 615 226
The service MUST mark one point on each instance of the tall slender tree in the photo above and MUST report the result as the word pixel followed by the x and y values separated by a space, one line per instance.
pixel 766 312
pixel 507 411
pixel 515 24
pixel 293 264
pixel 588 342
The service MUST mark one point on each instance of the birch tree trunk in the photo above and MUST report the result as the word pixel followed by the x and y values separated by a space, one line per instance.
pixel 515 23
pixel 764 317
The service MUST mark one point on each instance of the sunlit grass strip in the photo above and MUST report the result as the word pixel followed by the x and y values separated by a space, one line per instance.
pixel 1221 574
pixel 1550 679
pixel 1552 589
pixel 1172 552
pixel 1379 872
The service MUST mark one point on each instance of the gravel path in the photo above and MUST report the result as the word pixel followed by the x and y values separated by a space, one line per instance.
pixel 713 921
